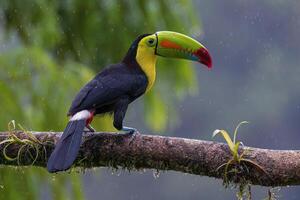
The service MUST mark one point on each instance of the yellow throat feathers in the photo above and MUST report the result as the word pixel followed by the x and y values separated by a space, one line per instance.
pixel 146 58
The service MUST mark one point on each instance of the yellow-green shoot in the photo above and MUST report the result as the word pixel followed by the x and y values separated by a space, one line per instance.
pixel 234 149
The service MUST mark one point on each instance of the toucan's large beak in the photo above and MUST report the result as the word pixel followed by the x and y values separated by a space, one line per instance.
pixel 177 45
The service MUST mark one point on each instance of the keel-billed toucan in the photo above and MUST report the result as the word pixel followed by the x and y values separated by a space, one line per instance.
pixel 114 88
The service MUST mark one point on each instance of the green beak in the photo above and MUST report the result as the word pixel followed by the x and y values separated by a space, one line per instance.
pixel 176 45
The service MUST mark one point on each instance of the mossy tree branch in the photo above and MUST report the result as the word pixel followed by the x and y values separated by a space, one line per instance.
pixel 198 157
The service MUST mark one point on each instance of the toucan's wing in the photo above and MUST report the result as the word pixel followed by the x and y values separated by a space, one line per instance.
pixel 107 87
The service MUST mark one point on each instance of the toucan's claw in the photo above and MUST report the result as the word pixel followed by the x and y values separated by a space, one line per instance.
pixel 89 128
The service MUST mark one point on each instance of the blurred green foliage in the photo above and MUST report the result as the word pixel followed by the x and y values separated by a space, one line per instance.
pixel 30 183
pixel 49 49
pixel 36 88
pixel 94 34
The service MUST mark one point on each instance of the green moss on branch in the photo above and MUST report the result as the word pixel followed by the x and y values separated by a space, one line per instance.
pixel 162 153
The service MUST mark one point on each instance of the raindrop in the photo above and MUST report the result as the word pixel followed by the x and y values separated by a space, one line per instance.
pixel 115 171
pixel 156 174
pixel 118 173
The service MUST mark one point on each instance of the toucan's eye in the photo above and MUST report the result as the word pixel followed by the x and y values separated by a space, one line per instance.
pixel 151 42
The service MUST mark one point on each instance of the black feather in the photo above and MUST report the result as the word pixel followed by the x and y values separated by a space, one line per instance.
pixel 108 87
pixel 67 147
pixel 115 81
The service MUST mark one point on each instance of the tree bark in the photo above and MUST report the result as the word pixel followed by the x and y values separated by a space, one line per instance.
pixel 272 168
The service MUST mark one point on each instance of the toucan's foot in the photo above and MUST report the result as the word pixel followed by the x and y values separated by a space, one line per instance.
pixel 89 128
pixel 129 131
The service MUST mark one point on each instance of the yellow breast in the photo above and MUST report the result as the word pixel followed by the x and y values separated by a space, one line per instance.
pixel 146 58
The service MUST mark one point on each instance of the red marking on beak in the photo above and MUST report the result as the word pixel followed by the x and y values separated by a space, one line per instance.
pixel 204 57
pixel 169 44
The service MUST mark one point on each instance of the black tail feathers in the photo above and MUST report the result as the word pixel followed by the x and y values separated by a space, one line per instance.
pixel 67 147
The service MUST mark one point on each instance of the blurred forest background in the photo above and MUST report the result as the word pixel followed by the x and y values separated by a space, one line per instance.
pixel 49 49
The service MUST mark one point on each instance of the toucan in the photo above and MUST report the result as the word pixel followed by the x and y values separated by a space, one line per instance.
pixel 116 86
